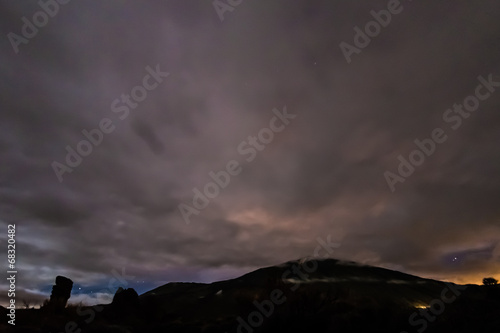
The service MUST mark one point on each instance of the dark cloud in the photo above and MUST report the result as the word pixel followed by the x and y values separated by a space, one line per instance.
pixel 322 175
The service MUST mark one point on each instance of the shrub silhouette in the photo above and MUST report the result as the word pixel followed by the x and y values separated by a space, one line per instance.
pixel 490 281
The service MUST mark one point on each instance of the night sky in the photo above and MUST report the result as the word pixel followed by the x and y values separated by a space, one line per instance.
pixel 303 125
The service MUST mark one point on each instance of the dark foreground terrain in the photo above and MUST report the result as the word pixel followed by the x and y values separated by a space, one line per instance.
pixel 298 296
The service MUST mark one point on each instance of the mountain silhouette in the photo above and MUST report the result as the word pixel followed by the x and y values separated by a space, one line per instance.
pixel 302 295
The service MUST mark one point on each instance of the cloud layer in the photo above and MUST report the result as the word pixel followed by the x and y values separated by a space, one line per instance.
pixel 322 175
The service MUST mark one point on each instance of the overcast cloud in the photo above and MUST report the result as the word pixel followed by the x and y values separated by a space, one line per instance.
pixel 322 175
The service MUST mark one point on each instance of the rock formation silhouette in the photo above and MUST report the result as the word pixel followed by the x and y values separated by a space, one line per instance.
pixel 125 299
pixel 61 292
